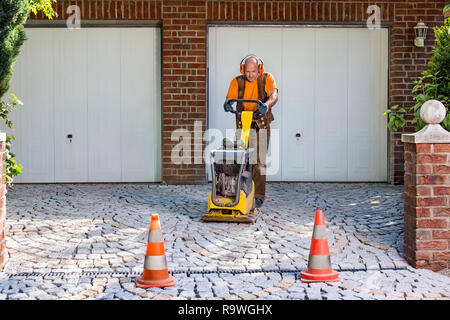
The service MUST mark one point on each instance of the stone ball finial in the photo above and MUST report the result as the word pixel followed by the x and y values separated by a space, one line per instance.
pixel 432 112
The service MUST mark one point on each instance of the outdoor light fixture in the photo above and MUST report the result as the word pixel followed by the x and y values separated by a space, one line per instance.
pixel 421 33
pixel 446 11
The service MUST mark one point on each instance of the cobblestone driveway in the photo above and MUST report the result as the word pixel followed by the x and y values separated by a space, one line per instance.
pixel 88 241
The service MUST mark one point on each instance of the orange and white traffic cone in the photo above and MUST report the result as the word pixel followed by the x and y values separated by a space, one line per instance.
pixel 156 272
pixel 319 262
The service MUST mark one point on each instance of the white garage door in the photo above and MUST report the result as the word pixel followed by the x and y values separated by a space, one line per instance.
pixel 99 86
pixel 333 92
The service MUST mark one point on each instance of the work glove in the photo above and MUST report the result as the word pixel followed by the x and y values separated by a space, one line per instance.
pixel 263 108
pixel 227 107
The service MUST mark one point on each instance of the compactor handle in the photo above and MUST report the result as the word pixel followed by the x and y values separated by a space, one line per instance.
pixel 262 107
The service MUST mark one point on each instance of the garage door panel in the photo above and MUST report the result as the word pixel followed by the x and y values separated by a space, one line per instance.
pixel 364 114
pixel 330 117
pixel 361 159
pixel 299 163
pixel 331 160
pixel 361 118
pixel 331 105
pixel 297 92
pixel 333 90
pixel 77 90
pixel 104 95
pixel 362 84
pixel 362 74
pixel 33 78
pixel 139 104
pixel 70 105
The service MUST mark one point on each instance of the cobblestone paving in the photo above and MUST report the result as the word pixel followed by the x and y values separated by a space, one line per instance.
pixel 87 241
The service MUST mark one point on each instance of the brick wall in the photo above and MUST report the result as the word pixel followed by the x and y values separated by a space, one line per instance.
pixel 427 205
pixel 184 82
pixel 2 203
pixel 406 64
pixel 184 26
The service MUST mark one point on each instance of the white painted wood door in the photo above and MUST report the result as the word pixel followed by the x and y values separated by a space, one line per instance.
pixel 141 94
pixel 367 88
pixel 333 92
pixel 330 108
pixel 295 96
pixel 103 99
pixel 70 104
pixel 34 126
pixel 102 87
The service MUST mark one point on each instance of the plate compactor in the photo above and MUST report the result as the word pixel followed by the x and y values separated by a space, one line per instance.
pixel 233 191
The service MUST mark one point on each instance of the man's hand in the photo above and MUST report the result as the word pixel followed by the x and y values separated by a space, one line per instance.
pixel 227 107
pixel 263 108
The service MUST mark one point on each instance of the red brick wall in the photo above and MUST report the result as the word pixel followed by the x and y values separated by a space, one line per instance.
pixel 110 10
pixel 2 206
pixel 184 82
pixel 406 64
pixel 427 205
pixel 184 25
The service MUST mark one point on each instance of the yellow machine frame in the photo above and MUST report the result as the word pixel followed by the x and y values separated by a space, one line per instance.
pixel 246 119
pixel 244 211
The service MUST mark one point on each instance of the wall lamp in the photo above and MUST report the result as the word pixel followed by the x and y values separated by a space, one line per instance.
pixel 421 33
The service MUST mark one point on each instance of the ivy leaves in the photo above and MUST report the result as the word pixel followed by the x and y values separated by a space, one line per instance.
pixel 11 167
pixel 43 5
pixel 396 118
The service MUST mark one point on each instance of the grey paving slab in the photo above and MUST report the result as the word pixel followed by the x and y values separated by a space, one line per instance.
pixel 87 241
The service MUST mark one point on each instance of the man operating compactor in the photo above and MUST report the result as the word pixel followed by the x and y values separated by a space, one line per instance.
pixel 255 84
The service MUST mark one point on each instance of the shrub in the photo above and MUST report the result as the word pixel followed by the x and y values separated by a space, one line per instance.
pixel 434 83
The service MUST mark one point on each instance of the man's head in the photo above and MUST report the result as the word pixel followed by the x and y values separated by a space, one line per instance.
pixel 251 68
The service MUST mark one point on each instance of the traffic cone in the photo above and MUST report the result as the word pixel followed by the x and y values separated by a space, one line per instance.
pixel 155 273
pixel 319 262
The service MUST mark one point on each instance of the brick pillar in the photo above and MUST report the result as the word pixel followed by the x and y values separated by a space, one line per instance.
pixel 427 192
pixel 2 202
pixel 183 87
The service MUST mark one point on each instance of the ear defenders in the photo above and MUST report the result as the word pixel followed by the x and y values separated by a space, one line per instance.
pixel 260 63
